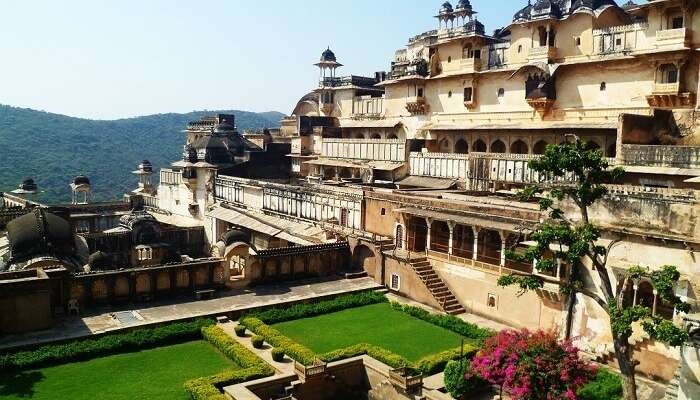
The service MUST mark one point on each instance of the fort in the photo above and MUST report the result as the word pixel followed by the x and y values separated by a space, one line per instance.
pixel 408 179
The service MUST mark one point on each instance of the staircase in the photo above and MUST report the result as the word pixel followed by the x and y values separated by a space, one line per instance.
pixel 639 340
pixel 436 286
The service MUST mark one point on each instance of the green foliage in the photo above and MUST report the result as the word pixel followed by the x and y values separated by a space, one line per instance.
pixel 258 341
pixel 293 349
pixel 54 148
pixel 86 349
pixel 208 388
pixel 456 382
pixel 278 354
pixel 297 311
pixel 606 386
pixel 449 322
pixel 240 330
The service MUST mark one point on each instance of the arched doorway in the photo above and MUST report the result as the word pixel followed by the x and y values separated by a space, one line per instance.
pixel 498 146
pixel 540 147
pixel 519 147
pixel 479 146
pixel 363 259
pixel 461 147
pixel 445 146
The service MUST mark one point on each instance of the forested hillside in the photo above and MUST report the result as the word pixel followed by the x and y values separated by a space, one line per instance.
pixel 53 148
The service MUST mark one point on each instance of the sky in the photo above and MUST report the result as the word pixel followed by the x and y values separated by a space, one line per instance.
pixel 123 58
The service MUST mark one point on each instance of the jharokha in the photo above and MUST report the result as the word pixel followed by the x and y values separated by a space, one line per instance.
pixel 410 177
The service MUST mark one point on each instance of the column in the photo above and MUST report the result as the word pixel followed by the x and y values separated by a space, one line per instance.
pixel 429 222
pixel 451 225
pixel 503 236
pixel 547 44
pixel 656 297
pixel 635 287
pixel 476 242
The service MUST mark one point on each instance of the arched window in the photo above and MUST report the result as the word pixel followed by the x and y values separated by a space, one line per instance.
pixel 449 94
pixel 520 48
pixel 359 136
pixel 501 93
pixel 498 146
pixel 445 146
pixel 461 147
pixel 540 147
pixel 479 146
pixel 603 86
pixel 392 136
pixel 519 147
pixel 376 136
pixel 466 51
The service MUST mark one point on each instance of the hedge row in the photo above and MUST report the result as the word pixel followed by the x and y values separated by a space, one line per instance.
pixel 297 311
pixel 209 388
pixel 81 350
pixel 294 350
pixel 449 322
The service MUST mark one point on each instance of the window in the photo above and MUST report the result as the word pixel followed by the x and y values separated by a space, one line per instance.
pixel 449 94
pixel 383 212
pixel 492 301
pixel 520 48
pixel 395 282
pixel 501 92
pixel 145 253
pixel 468 93
pixel 476 54
pixel 578 41
pixel 449 59
pixel 82 226
pixel 618 42
pixel 419 93
pixel 677 22
pixel 603 86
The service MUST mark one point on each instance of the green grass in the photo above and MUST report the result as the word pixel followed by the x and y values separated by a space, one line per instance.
pixel 376 324
pixel 156 374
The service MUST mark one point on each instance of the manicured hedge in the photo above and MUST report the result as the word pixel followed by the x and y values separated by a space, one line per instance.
pixel 277 354
pixel 208 388
pixel 606 386
pixel 449 322
pixel 81 350
pixel 297 311
pixel 272 336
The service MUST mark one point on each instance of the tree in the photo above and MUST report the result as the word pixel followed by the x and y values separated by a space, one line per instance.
pixel 459 381
pixel 532 365
pixel 576 174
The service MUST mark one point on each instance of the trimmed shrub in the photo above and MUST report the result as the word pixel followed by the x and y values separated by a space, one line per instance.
pixel 208 388
pixel 294 350
pixel 437 362
pixel 606 386
pixel 240 330
pixel 278 354
pixel 449 322
pixel 297 311
pixel 86 349
pixel 456 382
pixel 258 341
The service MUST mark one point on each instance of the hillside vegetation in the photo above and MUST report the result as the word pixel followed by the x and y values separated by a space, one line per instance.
pixel 53 148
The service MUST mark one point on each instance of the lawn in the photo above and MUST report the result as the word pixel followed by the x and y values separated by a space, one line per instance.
pixel 156 374
pixel 376 324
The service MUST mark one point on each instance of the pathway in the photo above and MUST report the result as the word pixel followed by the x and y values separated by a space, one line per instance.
pixel 111 319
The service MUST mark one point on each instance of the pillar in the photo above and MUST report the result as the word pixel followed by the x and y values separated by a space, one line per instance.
pixel 451 225
pixel 656 297
pixel 503 236
pixel 476 242
pixel 429 222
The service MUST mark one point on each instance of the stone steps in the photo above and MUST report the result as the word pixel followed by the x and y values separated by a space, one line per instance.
pixel 437 287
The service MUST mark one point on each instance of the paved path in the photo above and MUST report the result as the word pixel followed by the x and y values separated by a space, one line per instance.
pixel 110 319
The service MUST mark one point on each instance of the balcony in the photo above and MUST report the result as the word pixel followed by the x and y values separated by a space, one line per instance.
pixel 619 39
pixel 327 108
pixel 417 106
pixel 661 156
pixel 542 54
pixel 367 107
pixel 391 150
pixel 673 38
pixel 469 65
pixel 669 96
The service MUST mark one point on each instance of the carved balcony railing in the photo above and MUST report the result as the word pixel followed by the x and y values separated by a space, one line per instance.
pixel 661 156
pixel 620 38
pixel 170 177
pixel 673 38
pixel 367 107
pixel 417 106
pixel 542 54
pixel 393 150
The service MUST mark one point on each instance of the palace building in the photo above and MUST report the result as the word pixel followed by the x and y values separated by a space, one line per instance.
pixel 410 176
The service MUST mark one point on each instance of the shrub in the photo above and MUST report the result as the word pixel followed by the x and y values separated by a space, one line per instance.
pixel 81 350
pixel 208 388
pixel 606 386
pixel 297 311
pixel 526 364
pixel 437 362
pixel 449 322
pixel 240 330
pixel 294 350
pixel 278 354
pixel 456 382
pixel 258 341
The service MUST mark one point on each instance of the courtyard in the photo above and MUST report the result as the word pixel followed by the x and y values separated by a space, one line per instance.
pixel 153 374
pixel 376 324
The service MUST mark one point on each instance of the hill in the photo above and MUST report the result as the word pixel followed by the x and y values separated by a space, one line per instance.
pixel 53 148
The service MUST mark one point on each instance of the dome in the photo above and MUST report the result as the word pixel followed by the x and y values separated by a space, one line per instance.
pixel 628 5
pixel 328 56
pixel 235 236
pixel 39 233
pixel 475 26
pixel 523 14
pixel 464 5
pixel 544 8
pixel 446 8
pixel 28 185
pixel 146 166
pixel 100 260
pixel 224 128
pixel 81 180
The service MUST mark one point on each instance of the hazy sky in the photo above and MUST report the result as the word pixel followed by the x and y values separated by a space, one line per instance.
pixel 122 58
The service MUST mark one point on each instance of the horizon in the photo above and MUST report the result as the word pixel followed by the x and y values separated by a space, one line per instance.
pixel 109 61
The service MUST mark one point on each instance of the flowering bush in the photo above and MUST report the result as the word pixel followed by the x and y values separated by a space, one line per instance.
pixel 532 366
